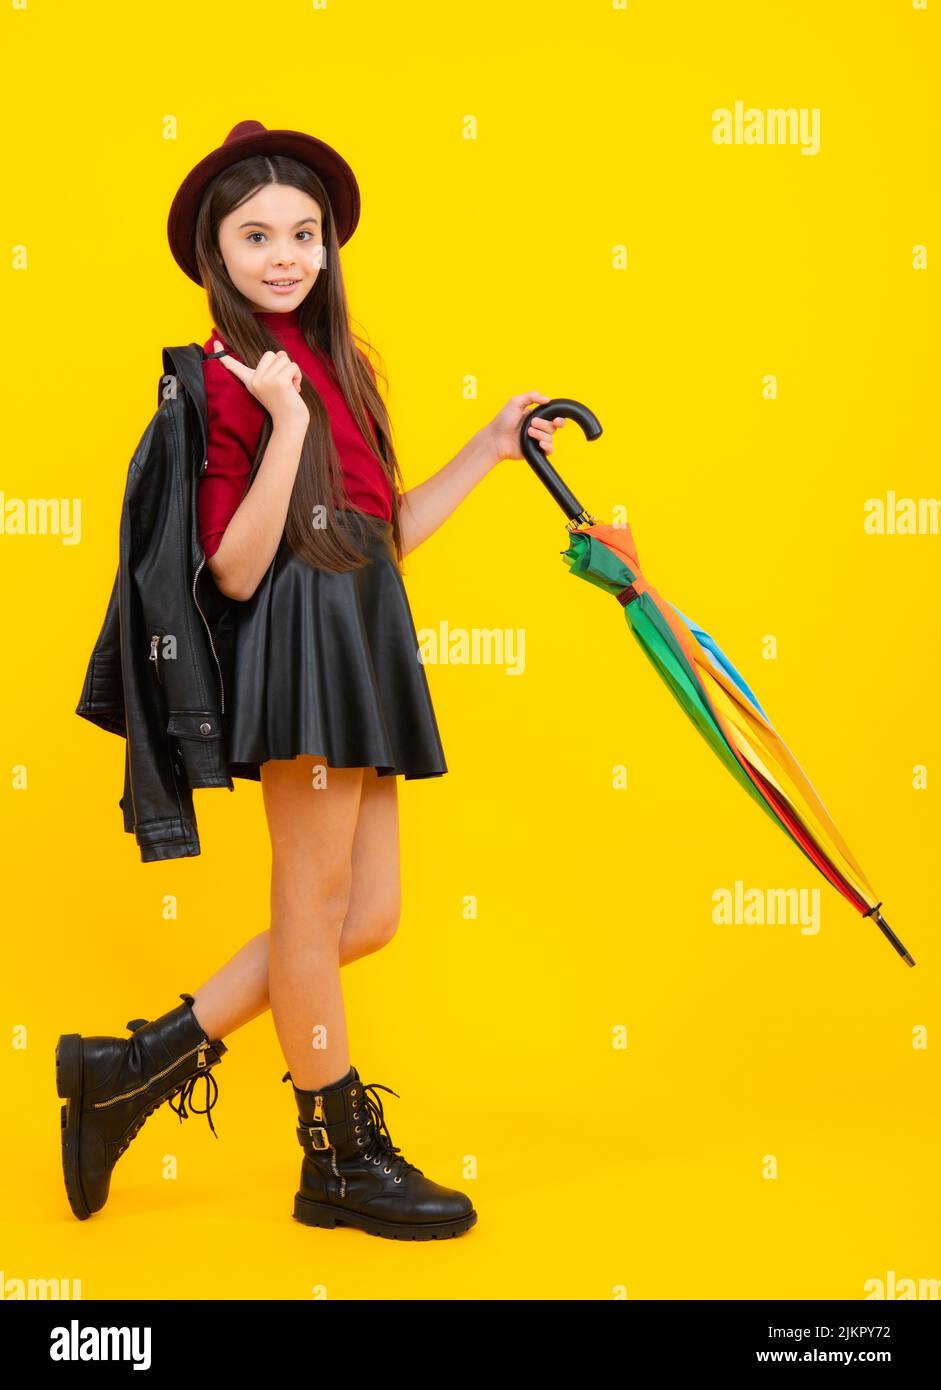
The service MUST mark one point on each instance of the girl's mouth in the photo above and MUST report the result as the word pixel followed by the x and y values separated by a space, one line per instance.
pixel 282 286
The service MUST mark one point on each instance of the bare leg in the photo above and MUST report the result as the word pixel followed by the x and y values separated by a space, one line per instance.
pixel 238 992
pixel 376 900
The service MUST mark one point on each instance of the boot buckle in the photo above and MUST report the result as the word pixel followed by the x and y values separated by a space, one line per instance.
pixel 317 1135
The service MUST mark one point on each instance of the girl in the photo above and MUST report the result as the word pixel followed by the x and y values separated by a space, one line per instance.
pixel 304 529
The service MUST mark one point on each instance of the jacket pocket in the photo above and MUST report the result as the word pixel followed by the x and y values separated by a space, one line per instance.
pixel 197 737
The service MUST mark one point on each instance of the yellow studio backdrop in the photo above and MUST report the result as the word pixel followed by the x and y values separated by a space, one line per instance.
pixel 643 1102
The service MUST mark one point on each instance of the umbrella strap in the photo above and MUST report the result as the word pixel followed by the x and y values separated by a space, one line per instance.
pixel 631 591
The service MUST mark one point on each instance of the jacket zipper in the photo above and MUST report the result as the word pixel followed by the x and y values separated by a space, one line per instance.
pixel 201 1062
pixel 155 658
pixel 209 635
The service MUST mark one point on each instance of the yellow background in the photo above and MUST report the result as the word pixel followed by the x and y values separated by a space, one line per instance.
pixel 600 1170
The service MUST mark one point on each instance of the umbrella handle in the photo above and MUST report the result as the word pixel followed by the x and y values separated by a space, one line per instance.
pixel 534 456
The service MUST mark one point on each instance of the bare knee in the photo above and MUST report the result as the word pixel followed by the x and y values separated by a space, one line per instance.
pixel 373 927
pixel 385 926
pixel 314 909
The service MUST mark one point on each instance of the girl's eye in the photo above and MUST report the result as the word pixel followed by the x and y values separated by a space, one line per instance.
pixel 306 233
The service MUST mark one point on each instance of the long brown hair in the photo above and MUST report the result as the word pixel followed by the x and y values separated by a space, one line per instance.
pixel 324 319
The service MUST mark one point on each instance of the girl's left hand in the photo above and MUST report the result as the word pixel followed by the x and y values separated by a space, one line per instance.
pixel 504 429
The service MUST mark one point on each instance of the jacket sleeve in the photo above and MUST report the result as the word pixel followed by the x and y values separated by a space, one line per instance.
pixel 157 804
pixel 102 697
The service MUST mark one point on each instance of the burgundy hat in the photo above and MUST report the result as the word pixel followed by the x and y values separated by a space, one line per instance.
pixel 244 140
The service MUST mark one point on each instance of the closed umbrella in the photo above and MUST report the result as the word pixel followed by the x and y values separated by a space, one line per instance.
pixel 703 679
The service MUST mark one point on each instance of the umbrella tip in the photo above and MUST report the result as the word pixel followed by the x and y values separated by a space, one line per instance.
pixel 887 931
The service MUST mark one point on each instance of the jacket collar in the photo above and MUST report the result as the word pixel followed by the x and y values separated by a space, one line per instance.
pixel 185 363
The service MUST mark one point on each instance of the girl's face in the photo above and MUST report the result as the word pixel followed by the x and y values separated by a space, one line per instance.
pixel 276 235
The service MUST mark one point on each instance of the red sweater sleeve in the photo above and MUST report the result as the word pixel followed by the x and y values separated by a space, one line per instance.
pixel 235 417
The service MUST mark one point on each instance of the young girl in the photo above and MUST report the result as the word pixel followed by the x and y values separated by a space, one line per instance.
pixel 304 530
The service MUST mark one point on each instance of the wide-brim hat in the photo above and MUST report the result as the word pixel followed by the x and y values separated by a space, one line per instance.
pixel 244 140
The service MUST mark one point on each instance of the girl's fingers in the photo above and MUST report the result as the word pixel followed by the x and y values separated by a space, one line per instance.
pixel 542 430
pixel 282 362
pixel 267 363
pixel 232 364
pixel 285 363
pixel 269 360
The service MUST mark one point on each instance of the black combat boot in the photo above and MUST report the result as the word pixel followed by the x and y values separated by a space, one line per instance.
pixel 111 1085
pixel 353 1175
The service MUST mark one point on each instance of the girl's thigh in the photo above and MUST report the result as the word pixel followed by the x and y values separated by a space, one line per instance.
pixel 312 823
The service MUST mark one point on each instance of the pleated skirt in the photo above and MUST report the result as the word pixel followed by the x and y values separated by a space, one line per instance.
pixel 328 664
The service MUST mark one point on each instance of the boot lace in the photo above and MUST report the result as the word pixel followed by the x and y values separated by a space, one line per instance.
pixel 378 1145
pixel 185 1094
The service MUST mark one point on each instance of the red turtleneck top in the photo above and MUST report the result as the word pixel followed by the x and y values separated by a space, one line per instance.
pixel 235 423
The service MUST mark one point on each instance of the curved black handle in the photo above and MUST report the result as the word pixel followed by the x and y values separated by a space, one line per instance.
pixel 537 460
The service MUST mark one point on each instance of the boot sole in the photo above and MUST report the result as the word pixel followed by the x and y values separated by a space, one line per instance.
pixel 321 1214
pixel 69 1087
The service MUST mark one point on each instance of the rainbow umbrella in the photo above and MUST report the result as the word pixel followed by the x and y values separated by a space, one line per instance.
pixel 704 681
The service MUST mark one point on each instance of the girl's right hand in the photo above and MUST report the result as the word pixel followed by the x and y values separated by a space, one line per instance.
pixel 275 382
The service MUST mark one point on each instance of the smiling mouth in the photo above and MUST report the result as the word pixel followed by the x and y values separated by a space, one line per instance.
pixel 282 284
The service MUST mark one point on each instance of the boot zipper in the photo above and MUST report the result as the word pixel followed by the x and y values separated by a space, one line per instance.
pixel 319 1115
pixel 201 1062
pixel 336 1172
pixel 209 635
pixel 155 639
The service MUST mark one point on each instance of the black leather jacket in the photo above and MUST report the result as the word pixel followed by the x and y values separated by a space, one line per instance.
pixel 157 673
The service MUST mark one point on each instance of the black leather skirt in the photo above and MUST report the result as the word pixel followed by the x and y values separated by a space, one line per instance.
pixel 328 664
